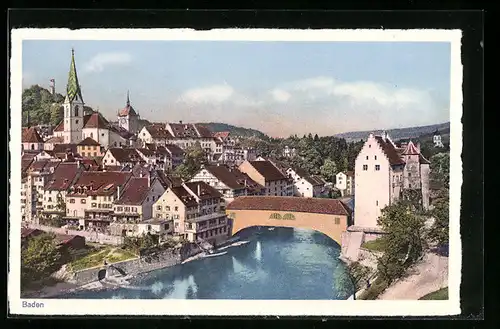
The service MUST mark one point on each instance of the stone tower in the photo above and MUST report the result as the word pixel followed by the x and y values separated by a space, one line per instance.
pixel 128 118
pixel 73 106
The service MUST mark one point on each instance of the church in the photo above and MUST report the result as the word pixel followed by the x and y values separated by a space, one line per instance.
pixel 79 124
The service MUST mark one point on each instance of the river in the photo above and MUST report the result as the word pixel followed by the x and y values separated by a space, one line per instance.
pixel 276 263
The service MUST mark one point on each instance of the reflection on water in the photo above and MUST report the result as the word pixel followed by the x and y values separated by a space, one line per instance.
pixel 275 264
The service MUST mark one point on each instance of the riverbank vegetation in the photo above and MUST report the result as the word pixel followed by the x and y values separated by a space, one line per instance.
pixel 96 257
pixel 374 245
pixel 40 257
pixel 441 294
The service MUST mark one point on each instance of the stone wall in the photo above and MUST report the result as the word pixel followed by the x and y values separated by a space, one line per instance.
pixel 144 264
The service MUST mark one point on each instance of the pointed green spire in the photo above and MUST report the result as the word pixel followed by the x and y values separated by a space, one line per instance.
pixel 73 87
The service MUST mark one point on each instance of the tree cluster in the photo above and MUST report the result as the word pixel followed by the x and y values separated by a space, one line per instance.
pixel 440 174
pixel 43 107
pixel 140 243
pixel 194 158
pixel 404 240
pixel 325 156
pixel 40 257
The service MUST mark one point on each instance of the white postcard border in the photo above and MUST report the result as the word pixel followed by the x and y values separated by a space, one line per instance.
pixel 238 307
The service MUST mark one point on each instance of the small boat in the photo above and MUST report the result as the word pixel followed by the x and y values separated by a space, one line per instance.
pixel 215 254
pixel 271 229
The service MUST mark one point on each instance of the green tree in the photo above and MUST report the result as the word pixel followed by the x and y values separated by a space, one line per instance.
pixel 440 168
pixel 404 240
pixel 439 232
pixel 39 102
pixel 40 257
pixel 328 170
pixel 194 158
pixel 56 114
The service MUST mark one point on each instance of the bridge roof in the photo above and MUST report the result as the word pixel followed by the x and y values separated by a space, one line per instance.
pixel 290 204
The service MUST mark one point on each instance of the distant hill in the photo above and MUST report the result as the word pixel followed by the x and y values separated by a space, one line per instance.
pixel 401 133
pixel 234 130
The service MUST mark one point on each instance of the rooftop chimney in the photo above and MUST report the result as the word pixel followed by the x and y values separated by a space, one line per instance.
pixel 180 121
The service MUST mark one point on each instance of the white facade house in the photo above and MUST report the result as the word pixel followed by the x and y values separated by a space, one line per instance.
pixel 197 211
pixel 436 138
pixel 229 182
pixel 344 182
pixel 31 140
pixel 382 173
pixel 305 185
pixel 135 205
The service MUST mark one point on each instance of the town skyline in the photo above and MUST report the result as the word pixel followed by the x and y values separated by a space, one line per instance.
pixel 272 105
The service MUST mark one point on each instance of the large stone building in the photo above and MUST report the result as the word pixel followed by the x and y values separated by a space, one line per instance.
pixel 383 173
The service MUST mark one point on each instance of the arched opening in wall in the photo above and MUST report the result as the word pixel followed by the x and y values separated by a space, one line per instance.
pixel 32 146
pixel 291 234
pixel 101 274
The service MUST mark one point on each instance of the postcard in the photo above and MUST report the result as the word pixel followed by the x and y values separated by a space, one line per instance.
pixel 235 172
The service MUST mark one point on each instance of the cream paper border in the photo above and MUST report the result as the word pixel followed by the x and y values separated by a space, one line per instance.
pixel 239 307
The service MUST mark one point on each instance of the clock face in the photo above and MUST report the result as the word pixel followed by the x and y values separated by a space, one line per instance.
pixel 123 121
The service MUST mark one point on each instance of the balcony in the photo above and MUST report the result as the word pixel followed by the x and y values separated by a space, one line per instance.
pixel 206 217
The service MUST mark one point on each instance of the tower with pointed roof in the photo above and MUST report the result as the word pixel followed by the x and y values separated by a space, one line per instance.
pixel 73 106
pixel 128 117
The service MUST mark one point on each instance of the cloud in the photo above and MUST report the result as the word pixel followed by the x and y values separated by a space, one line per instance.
pixel 211 94
pixel 280 95
pixel 100 61
pixel 321 105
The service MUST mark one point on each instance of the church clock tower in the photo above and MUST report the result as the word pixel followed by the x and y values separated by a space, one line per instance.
pixel 73 107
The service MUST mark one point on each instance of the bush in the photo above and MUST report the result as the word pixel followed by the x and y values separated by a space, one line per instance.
pixel 377 287
pixel 374 245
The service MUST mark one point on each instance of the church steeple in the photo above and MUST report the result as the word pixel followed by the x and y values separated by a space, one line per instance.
pixel 73 87
pixel 128 98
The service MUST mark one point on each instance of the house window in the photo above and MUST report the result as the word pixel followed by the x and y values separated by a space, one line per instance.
pixel 76 121
pixel 71 200
pixel 95 154
pixel 91 135
pixel 369 145
pixel 158 208
pixel 337 221
pixel 377 167
pixel 367 157
pixel 409 185
pixel 375 157
pixel 83 201
pixel 176 208
pixel 376 203
pixel 409 174
pixel 83 154
pixel 365 167
pixel 94 197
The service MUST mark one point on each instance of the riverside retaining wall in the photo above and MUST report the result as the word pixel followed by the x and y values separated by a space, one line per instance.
pixel 159 260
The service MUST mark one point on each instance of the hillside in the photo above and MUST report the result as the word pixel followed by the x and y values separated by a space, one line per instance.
pixel 234 130
pixel 401 133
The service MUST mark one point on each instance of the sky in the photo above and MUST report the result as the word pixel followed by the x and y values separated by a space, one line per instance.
pixel 281 88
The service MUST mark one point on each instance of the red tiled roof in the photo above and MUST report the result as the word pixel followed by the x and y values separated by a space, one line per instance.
pixel 135 191
pixel 165 180
pixel 206 192
pixel 65 238
pixel 89 141
pixel 158 131
pixel 100 182
pixel 203 131
pixel 349 173
pixel 60 126
pixel 127 110
pixel 291 204
pixel 64 148
pixel 28 232
pixel 125 154
pixel 390 151
pixel 63 177
pixel 232 178
pixel 221 134
pixel 268 170
pixel 30 135
pixel 95 120
pixel 55 140
pixel 174 149
pixel 411 149
pixel 146 152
